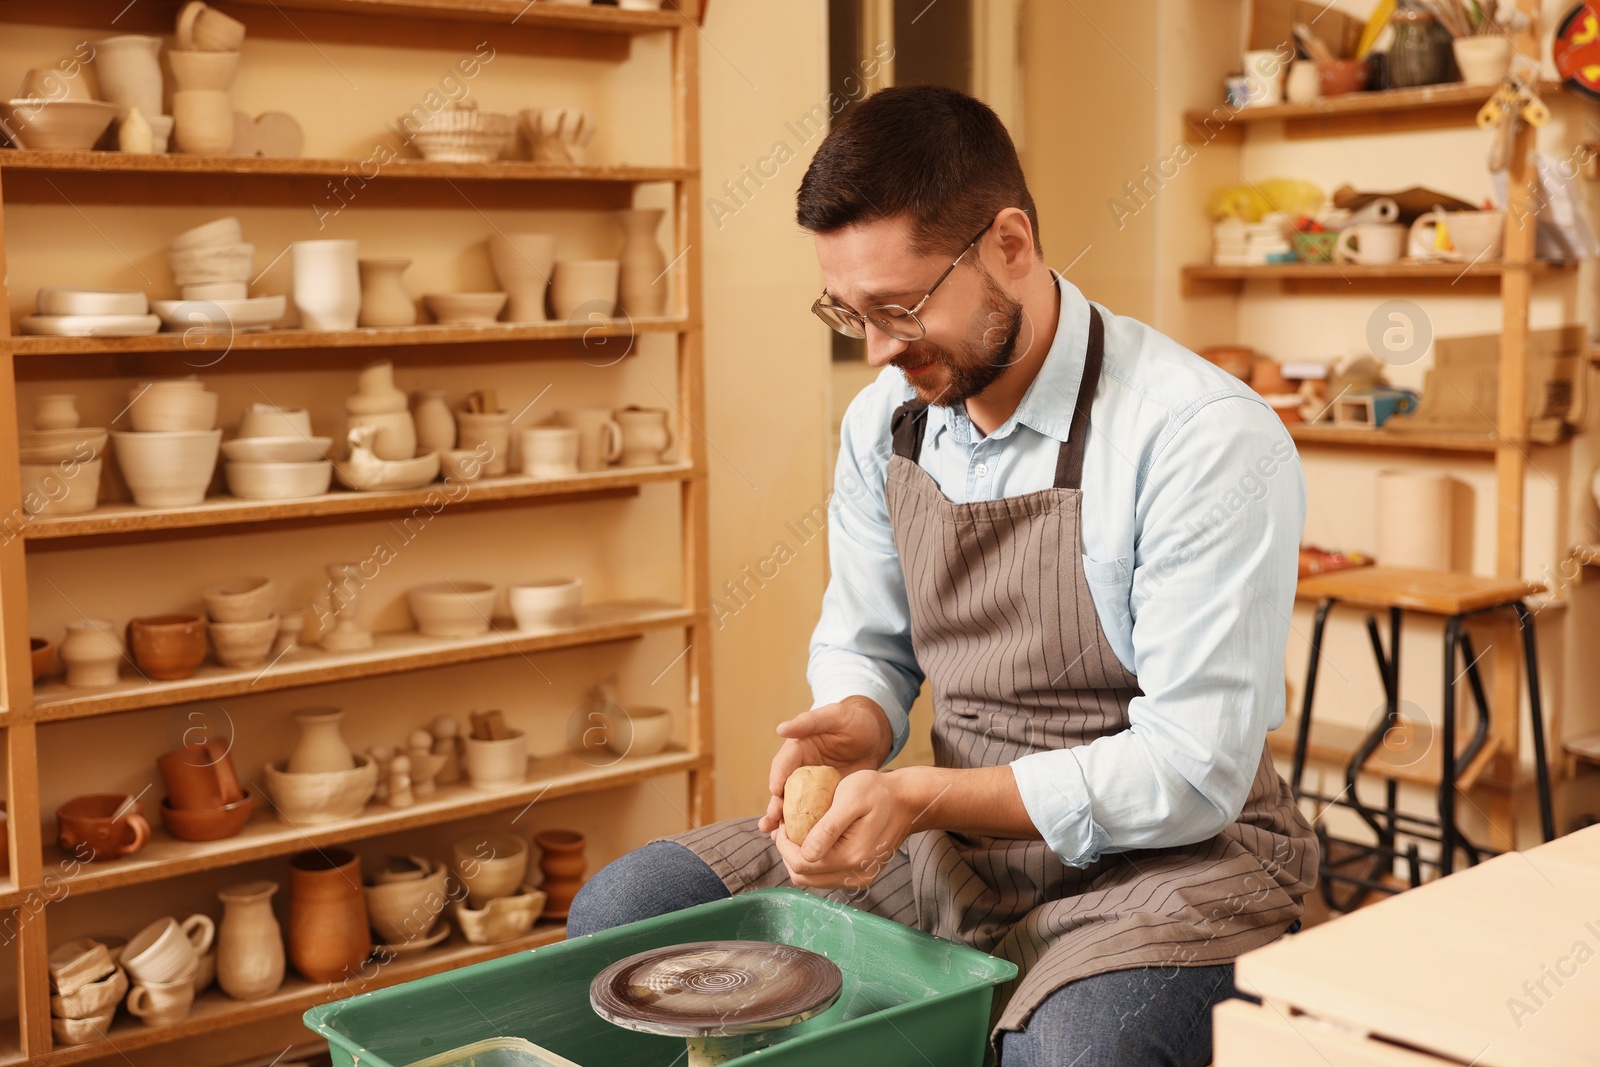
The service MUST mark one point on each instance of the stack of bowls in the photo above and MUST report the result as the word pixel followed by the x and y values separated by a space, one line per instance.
pixel 212 262
pixel 244 620
pixel 170 455
pixel 86 985
pixel 60 459
pixel 61 312
pixel 275 457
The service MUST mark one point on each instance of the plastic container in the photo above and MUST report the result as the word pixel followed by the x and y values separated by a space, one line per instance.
pixel 909 999
pixel 497 1052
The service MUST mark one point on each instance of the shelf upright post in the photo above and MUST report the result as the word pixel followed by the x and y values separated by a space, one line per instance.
pixel 692 403
pixel 21 742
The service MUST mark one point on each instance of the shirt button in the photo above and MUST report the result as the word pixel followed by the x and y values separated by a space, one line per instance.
pixel 981 470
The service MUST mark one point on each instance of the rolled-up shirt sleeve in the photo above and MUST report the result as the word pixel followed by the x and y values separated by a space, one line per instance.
pixel 862 642
pixel 1210 590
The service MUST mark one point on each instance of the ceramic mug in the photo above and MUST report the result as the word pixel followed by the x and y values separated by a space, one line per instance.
pixel 550 451
pixel 87 823
pixel 200 777
pixel 474 429
pixel 599 436
pixel 162 1003
pixel 1263 71
pixel 1370 243
pixel 1473 235
pixel 169 951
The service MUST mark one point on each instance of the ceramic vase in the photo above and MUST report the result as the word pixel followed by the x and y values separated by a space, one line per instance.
pixel 522 265
pixel 643 286
pixel 328 935
pixel 436 426
pixel 646 436
pixel 321 747
pixel 563 864
pixel 344 589
pixel 384 301
pixel 57 411
pixel 92 652
pixel 250 959
pixel 327 284
pixel 584 289
pixel 376 392
pixel 128 68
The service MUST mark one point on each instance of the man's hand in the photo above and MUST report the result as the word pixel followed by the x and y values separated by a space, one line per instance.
pixel 849 736
pixel 853 843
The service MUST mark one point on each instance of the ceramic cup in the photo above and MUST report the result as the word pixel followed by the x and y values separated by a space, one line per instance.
pixel 270 420
pixel 202 121
pixel 490 865
pixel 599 436
pixel 203 28
pixel 522 265
pixel 584 288
pixel 203 70
pixel 241 600
pixel 168 647
pixel 1263 73
pixel 163 1003
pixel 1370 243
pixel 498 764
pixel 1475 235
pixel 200 777
pixel 167 950
pixel 539 605
pixel 491 428
pixel 550 451
pixel 91 829
pixel 327 284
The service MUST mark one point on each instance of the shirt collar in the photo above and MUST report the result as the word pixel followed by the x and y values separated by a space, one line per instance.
pixel 1048 404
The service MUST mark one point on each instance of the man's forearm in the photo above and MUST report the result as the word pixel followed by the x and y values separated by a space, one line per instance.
pixel 978 800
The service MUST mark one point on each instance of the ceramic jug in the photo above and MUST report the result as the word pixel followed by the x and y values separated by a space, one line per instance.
pixel 92 652
pixel 436 426
pixel 321 747
pixel 129 71
pixel 643 285
pixel 384 301
pixel 328 935
pixel 250 959
pixel 563 865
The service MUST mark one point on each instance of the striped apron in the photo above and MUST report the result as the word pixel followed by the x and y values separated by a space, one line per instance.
pixel 1004 627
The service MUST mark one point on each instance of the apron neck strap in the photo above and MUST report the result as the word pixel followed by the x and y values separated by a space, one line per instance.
pixel 911 418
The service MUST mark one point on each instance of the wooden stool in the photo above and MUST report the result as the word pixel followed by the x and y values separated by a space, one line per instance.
pixel 1455 597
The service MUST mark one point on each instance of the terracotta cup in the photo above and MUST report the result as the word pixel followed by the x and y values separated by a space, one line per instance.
pixel 200 777
pixel 168 647
pixel 86 825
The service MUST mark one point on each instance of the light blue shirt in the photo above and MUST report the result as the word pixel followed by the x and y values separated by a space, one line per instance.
pixel 1193 503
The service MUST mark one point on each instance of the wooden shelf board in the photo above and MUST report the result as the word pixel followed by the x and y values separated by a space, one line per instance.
pixel 1344 271
pixel 210 347
pixel 1356 438
pixel 392 653
pixel 225 511
pixel 119 164
pixel 1410 757
pixel 216 1011
pixel 1204 124
pixel 266 835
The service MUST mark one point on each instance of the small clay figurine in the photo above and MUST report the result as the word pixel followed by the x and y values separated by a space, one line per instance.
pixel 382 755
pixel 447 743
pixel 425 765
pixel 400 795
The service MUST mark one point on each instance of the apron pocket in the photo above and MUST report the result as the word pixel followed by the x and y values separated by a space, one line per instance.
pixel 1106 572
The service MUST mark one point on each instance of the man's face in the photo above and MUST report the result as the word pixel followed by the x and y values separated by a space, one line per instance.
pixel 972 323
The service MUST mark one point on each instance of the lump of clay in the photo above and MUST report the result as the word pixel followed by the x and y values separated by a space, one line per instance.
pixel 806 796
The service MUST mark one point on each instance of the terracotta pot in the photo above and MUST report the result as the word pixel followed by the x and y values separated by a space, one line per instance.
pixel 1340 76
pixel 200 777
pixel 168 647
pixel 42 652
pixel 85 827
pixel 250 959
pixel 563 865
pixel 328 935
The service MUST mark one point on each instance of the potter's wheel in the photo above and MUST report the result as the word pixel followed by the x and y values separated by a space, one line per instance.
pixel 715 988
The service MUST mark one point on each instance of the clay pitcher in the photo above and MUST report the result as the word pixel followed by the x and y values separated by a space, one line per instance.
pixel 563 865
pixel 328 935
pixel 321 747
pixel 250 959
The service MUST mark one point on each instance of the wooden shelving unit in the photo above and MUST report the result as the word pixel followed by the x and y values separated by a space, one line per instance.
pixel 1319 435
pixel 586 33
pixel 1438 279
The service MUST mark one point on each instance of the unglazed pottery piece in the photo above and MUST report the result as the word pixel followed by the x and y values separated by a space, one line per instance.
pixel 328 935
pixel 250 956
pixel 490 865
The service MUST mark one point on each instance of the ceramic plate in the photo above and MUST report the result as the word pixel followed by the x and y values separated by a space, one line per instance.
pixel 417 945
pixel 91 325
pixel 257 313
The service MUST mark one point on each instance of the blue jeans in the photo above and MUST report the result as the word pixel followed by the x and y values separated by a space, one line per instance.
pixel 1145 1016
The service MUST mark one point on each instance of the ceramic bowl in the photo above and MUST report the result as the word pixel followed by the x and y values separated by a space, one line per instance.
pixel 167 470
pixel 55 300
pixel 57 125
pixel 404 911
pixel 243 644
pixel 452 609
pixel 217 291
pixel 77 963
pixel 502 919
pixel 490 865
pixel 204 264
pixel 279 481
pixel 499 764
pixel 203 70
pixel 642 731
pixel 241 600
pixel 463 309
pixel 168 647
pixel 60 488
pixel 540 605
pixel 276 449
pixel 269 420
pixel 42 652
pixel 460 465
pixel 323 796
pixel 212 824
pixel 225 231
pixel 156 410
pixel 60 446
pixel 84 1030
pixel 92 999
pixel 463 135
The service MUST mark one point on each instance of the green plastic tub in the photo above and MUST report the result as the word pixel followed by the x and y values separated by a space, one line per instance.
pixel 909 999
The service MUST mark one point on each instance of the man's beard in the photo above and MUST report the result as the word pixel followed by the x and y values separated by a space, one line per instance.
pixel 981 359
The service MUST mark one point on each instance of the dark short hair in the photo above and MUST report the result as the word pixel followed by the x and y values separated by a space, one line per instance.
pixel 934 155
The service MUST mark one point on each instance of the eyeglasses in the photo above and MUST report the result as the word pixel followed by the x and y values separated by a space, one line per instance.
pixel 898 322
